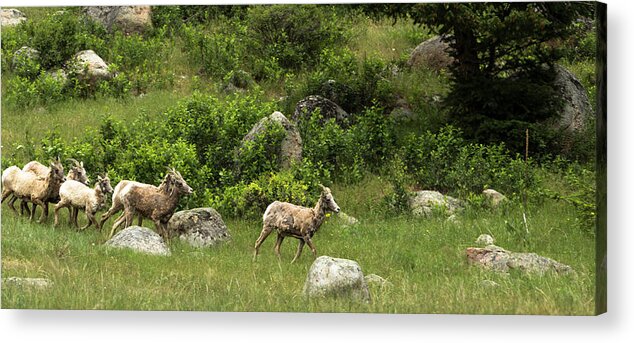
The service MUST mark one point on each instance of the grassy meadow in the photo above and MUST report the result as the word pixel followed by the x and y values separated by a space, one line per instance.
pixel 423 259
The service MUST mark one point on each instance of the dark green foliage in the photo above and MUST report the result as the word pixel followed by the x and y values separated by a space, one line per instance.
pixel 446 163
pixel 294 35
pixel 351 83
pixel 504 62
pixel 260 155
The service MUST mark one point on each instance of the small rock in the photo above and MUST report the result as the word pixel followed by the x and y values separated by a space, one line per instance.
pixel 40 283
pixel 423 203
pixel 89 65
pixel 489 284
pixel 328 109
pixel 336 277
pixel 484 240
pixel 140 239
pixel 11 17
pixel 497 259
pixel 453 219
pixel 200 227
pixel 376 280
pixel 347 220
pixel 494 197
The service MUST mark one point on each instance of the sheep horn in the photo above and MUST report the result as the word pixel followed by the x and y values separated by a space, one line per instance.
pixel 74 161
pixel 322 186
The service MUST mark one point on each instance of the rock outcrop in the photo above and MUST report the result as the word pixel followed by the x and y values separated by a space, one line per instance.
pixel 200 227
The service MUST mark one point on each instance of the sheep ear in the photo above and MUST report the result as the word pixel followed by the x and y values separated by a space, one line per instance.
pixel 81 164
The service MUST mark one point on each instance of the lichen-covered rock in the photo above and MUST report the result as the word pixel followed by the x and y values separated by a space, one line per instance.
pixel 432 53
pixel 39 283
pixel 497 259
pixel 23 56
pixel 87 64
pixel 494 197
pixel 328 110
pixel 423 203
pixel 484 240
pixel 11 17
pixel 336 277
pixel 200 227
pixel 130 19
pixel 291 146
pixel 577 108
pixel 140 239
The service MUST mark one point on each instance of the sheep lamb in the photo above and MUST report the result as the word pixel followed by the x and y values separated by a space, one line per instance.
pixel 156 204
pixel 295 221
pixel 76 195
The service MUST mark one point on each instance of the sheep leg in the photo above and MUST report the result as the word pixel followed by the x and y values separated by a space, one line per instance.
pixel 108 214
pixel 91 220
pixel 24 206
pixel 299 250
pixel 59 206
pixel 44 209
pixel 278 244
pixel 11 201
pixel 266 231
pixel 310 245
pixel 5 194
pixel 140 222
pixel 117 223
pixel 74 215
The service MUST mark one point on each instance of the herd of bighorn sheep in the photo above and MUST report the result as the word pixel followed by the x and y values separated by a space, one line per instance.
pixel 41 185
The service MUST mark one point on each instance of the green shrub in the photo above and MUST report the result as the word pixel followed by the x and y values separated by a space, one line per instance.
pixel 294 34
pixel 260 155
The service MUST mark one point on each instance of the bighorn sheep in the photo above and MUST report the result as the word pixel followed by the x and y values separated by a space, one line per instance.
pixel 157 204
pixel 295 221
pixel 117 202
pixel 76 195
pixel 26 185
pixel 76 172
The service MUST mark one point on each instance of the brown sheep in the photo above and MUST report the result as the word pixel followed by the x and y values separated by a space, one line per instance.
pixel 156 204
pixel 295 221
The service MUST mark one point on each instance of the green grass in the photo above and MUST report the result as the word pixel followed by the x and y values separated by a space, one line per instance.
pixel 424 259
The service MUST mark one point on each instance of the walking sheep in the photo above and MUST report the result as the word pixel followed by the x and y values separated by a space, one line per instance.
pixel 76 195
pixel 117 201
pixel 295 221
pixel 156 204
pixel 26 185
pixel 76 172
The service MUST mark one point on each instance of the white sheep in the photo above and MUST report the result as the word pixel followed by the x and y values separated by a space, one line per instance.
pixel 27 185
pixel 76 195
pixel 76 172
pixel 295 221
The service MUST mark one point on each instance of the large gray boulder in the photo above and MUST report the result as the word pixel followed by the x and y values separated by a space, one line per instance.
pixel 423 203
pixel 577 108
pixel 140 239
pixel 291 146
pixel 11 17
pixel 200 227
pixel 130 19
pixel 432 53
pixel 336 277
pixel 328 109
pixel 497 259
pixel 88 65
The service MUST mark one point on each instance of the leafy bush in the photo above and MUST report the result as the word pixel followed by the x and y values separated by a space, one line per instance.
pixel 294 34
pixel 446 163
pixel 260 155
